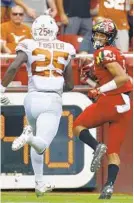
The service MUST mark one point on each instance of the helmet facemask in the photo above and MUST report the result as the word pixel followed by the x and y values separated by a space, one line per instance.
pixel 99 40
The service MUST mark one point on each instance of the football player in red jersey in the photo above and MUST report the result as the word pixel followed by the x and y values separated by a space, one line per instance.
pixel 112 103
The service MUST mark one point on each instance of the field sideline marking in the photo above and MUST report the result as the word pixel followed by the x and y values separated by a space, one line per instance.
pixel 26 202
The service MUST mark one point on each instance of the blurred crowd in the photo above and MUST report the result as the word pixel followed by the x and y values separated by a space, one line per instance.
pixel 74 18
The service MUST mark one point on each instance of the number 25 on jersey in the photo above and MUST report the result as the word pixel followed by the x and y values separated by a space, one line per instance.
pixel 56 60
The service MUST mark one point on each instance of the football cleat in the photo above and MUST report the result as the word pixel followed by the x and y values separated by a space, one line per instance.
pixel 40 188
pixel 22 139
pixel 107 191
pixel 98 154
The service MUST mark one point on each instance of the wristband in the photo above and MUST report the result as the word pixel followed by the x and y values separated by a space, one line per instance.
pixel 108 86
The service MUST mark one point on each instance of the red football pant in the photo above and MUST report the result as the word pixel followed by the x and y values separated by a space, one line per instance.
pixel 103 111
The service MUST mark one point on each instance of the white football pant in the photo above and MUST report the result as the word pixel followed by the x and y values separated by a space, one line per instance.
pixel 43 111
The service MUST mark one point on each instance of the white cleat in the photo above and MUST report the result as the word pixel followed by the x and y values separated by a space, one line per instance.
pixel 22 139
pixel 41 188
pixel 98 154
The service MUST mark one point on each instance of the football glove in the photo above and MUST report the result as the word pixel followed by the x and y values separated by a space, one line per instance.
pixel 86 72
pixel 94 93
pixel 4 100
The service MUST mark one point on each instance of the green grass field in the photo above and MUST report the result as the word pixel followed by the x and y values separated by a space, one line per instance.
pixel 29 197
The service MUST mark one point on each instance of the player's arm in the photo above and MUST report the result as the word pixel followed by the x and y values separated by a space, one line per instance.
pixel 13 68
pixel 68 77
pixel 119 78
pixel 119 74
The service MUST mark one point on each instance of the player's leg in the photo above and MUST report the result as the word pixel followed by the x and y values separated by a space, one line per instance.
pixel 90 118
pixel 29 132
pixel 37 163
pixel 117 133
pixel 35 105
pixel 95 115
pixel 47 109
pixel 113 160
pixel 43 113
pixel 46 129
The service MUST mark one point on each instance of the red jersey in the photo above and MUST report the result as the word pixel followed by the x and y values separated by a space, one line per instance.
pixel 104 56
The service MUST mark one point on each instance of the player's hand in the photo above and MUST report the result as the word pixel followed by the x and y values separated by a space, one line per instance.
pixel 94 93
pixel 87 72
pixel 84 74
pixel 4 100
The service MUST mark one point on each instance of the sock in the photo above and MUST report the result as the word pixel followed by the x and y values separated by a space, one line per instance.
pixel 112 173
pixel 37 143
pixel 88 139
pixel 37 164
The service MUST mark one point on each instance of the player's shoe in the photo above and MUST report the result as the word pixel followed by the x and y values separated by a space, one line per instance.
pixel 107 191
pixel 22 139
pixel 98 154
pixel 41 188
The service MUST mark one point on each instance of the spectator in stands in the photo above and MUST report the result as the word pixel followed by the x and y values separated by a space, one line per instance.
pixel 6 6
pixel 75 15
pixel 14 31
pixel 117 11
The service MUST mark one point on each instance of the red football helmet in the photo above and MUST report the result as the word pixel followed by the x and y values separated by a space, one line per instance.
pixel 106 27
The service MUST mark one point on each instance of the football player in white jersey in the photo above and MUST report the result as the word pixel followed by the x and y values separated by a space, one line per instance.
pixel 49 70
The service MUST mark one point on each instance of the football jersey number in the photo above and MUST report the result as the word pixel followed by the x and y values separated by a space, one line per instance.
pixel 116 4
pixel 40 67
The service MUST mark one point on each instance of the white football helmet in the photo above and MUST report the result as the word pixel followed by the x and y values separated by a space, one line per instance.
pixel 44 28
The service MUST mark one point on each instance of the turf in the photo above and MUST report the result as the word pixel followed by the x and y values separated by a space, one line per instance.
pixel 28 197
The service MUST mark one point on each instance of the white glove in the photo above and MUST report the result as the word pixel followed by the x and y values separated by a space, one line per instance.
pixel 4 100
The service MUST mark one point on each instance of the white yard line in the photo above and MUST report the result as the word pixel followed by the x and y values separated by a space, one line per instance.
pixel 25 202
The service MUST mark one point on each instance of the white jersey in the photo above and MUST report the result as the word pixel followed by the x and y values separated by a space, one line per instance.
pixel 46 63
